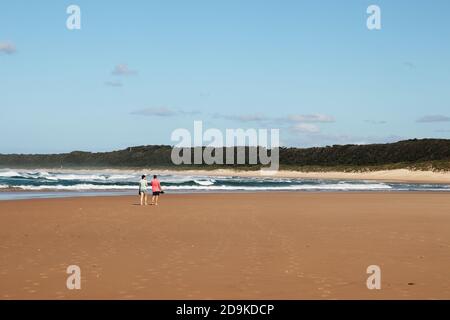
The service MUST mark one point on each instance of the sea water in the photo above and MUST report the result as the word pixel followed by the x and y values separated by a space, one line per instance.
pixel 17 184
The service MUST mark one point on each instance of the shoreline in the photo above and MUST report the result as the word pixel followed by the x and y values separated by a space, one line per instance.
pixel 395 175
pixel 50 195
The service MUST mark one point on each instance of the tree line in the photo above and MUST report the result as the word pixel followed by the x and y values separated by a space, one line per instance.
pixel 431 153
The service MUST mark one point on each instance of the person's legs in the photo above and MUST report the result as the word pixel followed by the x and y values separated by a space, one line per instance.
pixel 145 196
pixel 153 200
pixel 142 198
pixel 156 200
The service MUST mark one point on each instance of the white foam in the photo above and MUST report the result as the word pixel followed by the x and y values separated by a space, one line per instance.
pixel 55 176
pixel 9 174
pixel 78 187
pixel 100 180
pixel 210 187
pixel 338 186
pixel 209 182
pixel 76 177
pixel 123 177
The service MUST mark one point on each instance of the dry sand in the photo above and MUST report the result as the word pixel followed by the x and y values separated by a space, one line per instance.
pixel 228 246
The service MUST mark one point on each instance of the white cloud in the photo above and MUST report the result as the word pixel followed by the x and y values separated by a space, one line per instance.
pixel 375 121
pixel 296 118
pixel 310 118
pixel 189 113
pixel 322 139
pixel 243 117
pixel 7 48
pixel 164 112
pixel 433 118
pixel 113 83
pixel 159 112
pixel 123 70
pixel 409 65
pixel 305 128
pixel 306 123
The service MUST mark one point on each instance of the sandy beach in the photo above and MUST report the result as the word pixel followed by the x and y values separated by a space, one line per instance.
pixel 228 246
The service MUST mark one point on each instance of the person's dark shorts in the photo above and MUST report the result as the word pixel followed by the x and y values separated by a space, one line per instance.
pixel 156 193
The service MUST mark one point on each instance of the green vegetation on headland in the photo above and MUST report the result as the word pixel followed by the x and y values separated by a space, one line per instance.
pixel 423 154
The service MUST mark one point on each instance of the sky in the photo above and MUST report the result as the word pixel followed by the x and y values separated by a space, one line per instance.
pixel 138 70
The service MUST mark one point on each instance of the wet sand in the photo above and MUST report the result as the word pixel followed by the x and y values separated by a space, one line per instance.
pixel 228 246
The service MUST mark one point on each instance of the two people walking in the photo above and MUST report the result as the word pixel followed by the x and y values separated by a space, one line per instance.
pixel 156 190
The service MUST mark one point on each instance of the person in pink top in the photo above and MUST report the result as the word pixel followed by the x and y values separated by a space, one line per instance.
pixel 156 190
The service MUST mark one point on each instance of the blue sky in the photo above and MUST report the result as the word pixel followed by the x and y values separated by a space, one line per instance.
pixel 137 70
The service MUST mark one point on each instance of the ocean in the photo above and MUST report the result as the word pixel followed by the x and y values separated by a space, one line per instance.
pixel 17 184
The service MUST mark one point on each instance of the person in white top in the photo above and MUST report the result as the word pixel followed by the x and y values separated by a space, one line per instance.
pixel 143 190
